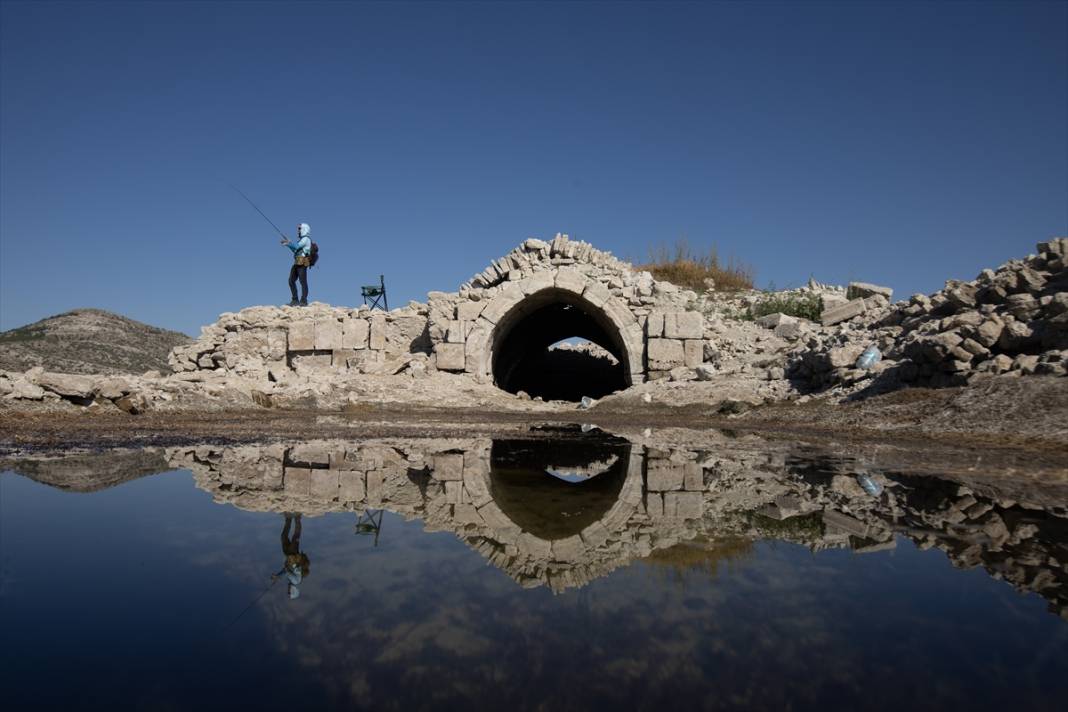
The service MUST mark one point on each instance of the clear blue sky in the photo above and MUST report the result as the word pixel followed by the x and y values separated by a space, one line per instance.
pixel 902 142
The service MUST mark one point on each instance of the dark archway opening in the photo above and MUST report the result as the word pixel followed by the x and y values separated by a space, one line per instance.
pixel 556 488
pixel 524 360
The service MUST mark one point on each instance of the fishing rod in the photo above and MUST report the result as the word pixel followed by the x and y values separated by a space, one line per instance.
pixel 284 236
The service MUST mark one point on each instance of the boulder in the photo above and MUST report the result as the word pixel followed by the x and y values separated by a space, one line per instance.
pixel 705 372
pixel 67 385
pixel 845 312
pixel 25 390
pixel 860 290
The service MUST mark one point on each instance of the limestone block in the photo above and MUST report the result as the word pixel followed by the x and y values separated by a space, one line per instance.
pixel 309 364
pixel 695 477
pixel 302 336
pixel 860 290
pixel 376 487
pixel 276 344
pixel 654 324
pixel 297 481
pixel 571 280
pixel 448 466
pixel 537 282
pixel 502 303
pixel 665 354
pixel 664 475
pixel 455 332
pixel 683 325
pixel 377 334
pixel 569 549
pixel 352 486
pixel 620 314
pixel 475 350
pixel 466 514
pixel 683 505
pixel 693 352
pixel 327 334
pixel 469 311
pixel 355 333
pixel 475 487
pixel 534 546
pixel 595 534
pixel 310 454
pixel 114 387
pixel 654 505
pixel 450 357
pixel 596 293
pixel 365 361
pixel 67 384
pixel 837 314
pixel 494 518
pixel 454 492
pixel 324 485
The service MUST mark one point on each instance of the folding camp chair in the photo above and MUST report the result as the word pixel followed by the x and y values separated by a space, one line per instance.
pixel 367 523
pixel 376 293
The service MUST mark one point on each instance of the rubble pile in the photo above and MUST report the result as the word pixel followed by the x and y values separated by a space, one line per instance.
pixel 1013 320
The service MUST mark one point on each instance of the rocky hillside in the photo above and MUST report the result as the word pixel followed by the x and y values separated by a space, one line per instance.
pixel 88 341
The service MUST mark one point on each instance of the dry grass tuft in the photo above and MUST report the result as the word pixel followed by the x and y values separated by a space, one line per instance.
pixel 683 266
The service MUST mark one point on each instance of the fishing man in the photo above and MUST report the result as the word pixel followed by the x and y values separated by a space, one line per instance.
pixel 301 261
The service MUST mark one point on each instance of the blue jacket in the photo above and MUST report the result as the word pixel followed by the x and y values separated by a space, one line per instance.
pixel 302 248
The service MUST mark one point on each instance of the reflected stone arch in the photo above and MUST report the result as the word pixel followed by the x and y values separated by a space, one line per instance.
pixel 549 307
pixel 577 547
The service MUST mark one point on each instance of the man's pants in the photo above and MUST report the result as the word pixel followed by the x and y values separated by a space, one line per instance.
pixel 295 272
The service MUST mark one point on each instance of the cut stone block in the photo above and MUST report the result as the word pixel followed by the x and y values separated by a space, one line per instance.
pixel 665 354
pixel 327 335
pixel 860 290
pixel 450 357
pixel 352 486
pixel 693 352
pixel 377 337
pixel 845 312
pixel 354 334
pixel 449 466
pixel 302 336
pixel 683 325
pixel 664 476
pixel 469 311
pixel 654 325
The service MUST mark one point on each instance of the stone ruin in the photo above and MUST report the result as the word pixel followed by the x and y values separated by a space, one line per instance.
pixel 495 328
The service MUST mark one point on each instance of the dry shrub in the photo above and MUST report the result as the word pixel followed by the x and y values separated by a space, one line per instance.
pixel 683 266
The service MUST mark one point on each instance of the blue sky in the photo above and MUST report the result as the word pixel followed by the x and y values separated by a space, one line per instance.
pixel 902 143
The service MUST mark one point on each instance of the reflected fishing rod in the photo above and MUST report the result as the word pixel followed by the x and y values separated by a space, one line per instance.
pixel 284 236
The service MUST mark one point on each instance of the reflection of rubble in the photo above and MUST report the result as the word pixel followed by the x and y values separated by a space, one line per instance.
pixel 643 500
pixel 91 471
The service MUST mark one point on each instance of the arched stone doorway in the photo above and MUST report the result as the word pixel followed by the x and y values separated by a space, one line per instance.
pixel 508 343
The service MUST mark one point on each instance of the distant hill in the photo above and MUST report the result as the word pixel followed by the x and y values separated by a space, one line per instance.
pixel 88 341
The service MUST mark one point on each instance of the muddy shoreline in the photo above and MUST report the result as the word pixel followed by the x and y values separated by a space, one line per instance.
pixel 918 426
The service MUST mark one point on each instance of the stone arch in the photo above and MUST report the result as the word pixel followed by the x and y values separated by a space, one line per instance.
pixel 607 319
pixel 578 547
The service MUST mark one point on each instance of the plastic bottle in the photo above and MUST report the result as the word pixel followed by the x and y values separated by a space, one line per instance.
pixel 871 356
pixel 869 485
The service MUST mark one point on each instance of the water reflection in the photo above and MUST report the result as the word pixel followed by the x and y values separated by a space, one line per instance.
pixel 562 512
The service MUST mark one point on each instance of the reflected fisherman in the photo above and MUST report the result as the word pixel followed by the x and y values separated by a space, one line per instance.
pixel 296 565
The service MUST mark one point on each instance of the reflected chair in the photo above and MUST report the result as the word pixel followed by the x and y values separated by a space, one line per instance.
pixel 369 523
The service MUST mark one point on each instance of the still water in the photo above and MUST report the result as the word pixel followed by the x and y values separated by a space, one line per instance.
pixel 564 571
